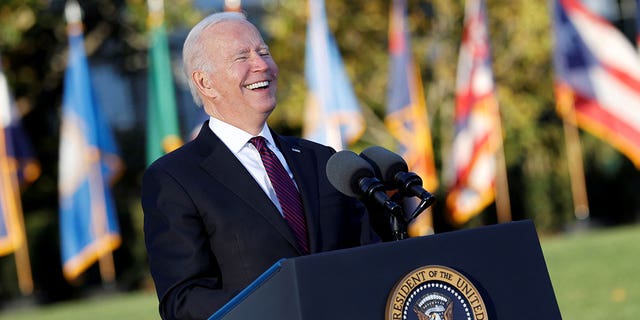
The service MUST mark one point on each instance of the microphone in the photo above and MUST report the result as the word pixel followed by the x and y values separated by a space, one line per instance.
pixel 354 177
pixel 393 170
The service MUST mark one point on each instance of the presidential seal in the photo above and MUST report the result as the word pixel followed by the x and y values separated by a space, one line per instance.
pixel 435 293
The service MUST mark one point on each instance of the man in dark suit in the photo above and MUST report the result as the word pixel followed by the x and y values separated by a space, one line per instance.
pixel 214 216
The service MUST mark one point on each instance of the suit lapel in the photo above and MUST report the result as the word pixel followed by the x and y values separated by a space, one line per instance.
pixel 221 164
pixel 299 159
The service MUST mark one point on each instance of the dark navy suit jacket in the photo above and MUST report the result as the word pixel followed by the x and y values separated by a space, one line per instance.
pixel 210 230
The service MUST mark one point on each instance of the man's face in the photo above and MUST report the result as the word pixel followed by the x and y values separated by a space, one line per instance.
pixel 244 74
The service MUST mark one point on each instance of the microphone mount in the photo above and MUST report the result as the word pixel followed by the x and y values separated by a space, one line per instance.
pixel 394 172
pixel 375 190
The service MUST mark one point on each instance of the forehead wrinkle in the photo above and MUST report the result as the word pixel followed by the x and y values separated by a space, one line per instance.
pixel 238 46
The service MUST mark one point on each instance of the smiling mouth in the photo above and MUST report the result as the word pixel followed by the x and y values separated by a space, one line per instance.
pixel 258 85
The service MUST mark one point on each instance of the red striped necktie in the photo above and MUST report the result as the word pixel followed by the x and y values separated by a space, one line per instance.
pixel 286 192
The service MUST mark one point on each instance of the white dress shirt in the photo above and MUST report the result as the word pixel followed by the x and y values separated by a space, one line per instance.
pixel 237 141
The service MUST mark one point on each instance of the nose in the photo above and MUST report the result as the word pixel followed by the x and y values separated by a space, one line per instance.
pixel 259 63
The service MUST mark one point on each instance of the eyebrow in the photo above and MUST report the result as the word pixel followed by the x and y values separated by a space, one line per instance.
pixel 247 50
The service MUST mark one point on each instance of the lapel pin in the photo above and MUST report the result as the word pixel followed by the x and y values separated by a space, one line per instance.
pixel 295 150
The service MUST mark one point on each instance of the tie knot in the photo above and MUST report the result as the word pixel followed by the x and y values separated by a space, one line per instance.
pixel 259 142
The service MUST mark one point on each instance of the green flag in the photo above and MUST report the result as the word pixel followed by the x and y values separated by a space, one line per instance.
pixel 163 133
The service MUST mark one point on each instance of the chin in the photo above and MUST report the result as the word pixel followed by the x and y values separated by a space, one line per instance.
pixel 269 106
pixel 265 108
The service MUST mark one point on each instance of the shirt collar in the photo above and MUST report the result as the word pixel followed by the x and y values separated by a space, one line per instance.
pixel 235 138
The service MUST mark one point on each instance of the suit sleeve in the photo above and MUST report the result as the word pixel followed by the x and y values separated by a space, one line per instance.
pixel 183 267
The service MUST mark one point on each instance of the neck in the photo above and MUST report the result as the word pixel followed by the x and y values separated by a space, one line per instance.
pixel 251 125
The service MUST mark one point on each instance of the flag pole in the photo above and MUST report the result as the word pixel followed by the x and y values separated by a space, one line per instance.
pixel 105 260
pixel 23 264
pixel 503 203
pixel 576 171
pixel 565 104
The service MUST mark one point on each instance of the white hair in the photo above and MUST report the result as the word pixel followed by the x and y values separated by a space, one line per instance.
pixel 194 56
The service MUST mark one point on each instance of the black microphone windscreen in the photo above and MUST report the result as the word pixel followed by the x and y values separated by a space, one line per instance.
pixel 345 169
pixel 387 162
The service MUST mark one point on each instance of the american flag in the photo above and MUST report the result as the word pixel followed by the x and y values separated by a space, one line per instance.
pixel 597 77
pixel 477 122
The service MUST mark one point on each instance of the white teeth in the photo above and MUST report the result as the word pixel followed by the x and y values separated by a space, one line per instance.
pixel 257 85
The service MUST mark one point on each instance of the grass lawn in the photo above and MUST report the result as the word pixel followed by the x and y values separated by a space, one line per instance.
pixel 134 306
pixel 595 275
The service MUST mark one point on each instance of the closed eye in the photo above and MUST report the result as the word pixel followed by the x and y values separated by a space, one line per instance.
pixel 264 51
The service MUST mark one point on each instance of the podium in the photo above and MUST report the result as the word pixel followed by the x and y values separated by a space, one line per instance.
pixel 503 262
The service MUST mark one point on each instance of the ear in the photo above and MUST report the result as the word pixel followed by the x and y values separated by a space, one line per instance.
pixel 204 84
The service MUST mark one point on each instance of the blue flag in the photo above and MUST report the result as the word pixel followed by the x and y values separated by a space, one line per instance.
pixel 17 165
pixel 89 161
pixel 333 116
